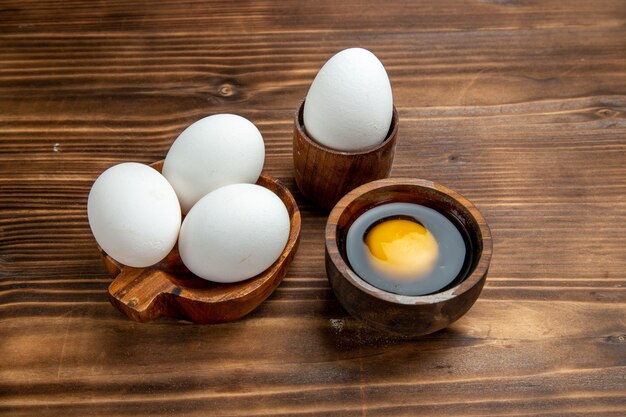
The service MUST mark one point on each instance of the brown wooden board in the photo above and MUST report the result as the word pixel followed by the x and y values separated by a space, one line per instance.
pixel 517 105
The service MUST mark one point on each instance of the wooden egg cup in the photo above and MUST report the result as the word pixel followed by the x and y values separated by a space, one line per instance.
pixel 324 175
pixel 401 314
pixel 168 289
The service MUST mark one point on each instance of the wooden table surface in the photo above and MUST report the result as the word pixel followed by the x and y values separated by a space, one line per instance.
pixel 518 105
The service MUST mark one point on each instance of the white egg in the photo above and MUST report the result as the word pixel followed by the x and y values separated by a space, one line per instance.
pixel 349 105
pixel 134 214
pixel 215 151
pixel 234 233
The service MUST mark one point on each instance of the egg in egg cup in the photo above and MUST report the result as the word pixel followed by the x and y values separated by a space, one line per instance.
pixel 345 129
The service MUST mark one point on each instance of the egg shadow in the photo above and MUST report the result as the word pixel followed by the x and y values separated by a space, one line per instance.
pixel 382 354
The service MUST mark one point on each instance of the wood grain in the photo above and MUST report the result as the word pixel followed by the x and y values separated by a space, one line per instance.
pixel 518 105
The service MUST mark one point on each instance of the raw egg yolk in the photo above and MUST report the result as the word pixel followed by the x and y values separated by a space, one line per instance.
pixel 402 249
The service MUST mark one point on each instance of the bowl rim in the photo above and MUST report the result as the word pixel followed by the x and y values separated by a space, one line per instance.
pixel 391 134
pixel 332 249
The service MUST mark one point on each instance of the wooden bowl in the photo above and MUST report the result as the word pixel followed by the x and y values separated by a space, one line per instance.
pixel 324 175
pixel 401 314
pixel 168 289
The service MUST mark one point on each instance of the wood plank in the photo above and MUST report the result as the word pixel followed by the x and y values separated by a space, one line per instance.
pixel 520 105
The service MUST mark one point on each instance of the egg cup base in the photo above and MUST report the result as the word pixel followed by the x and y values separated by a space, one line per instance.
pixel 324 175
